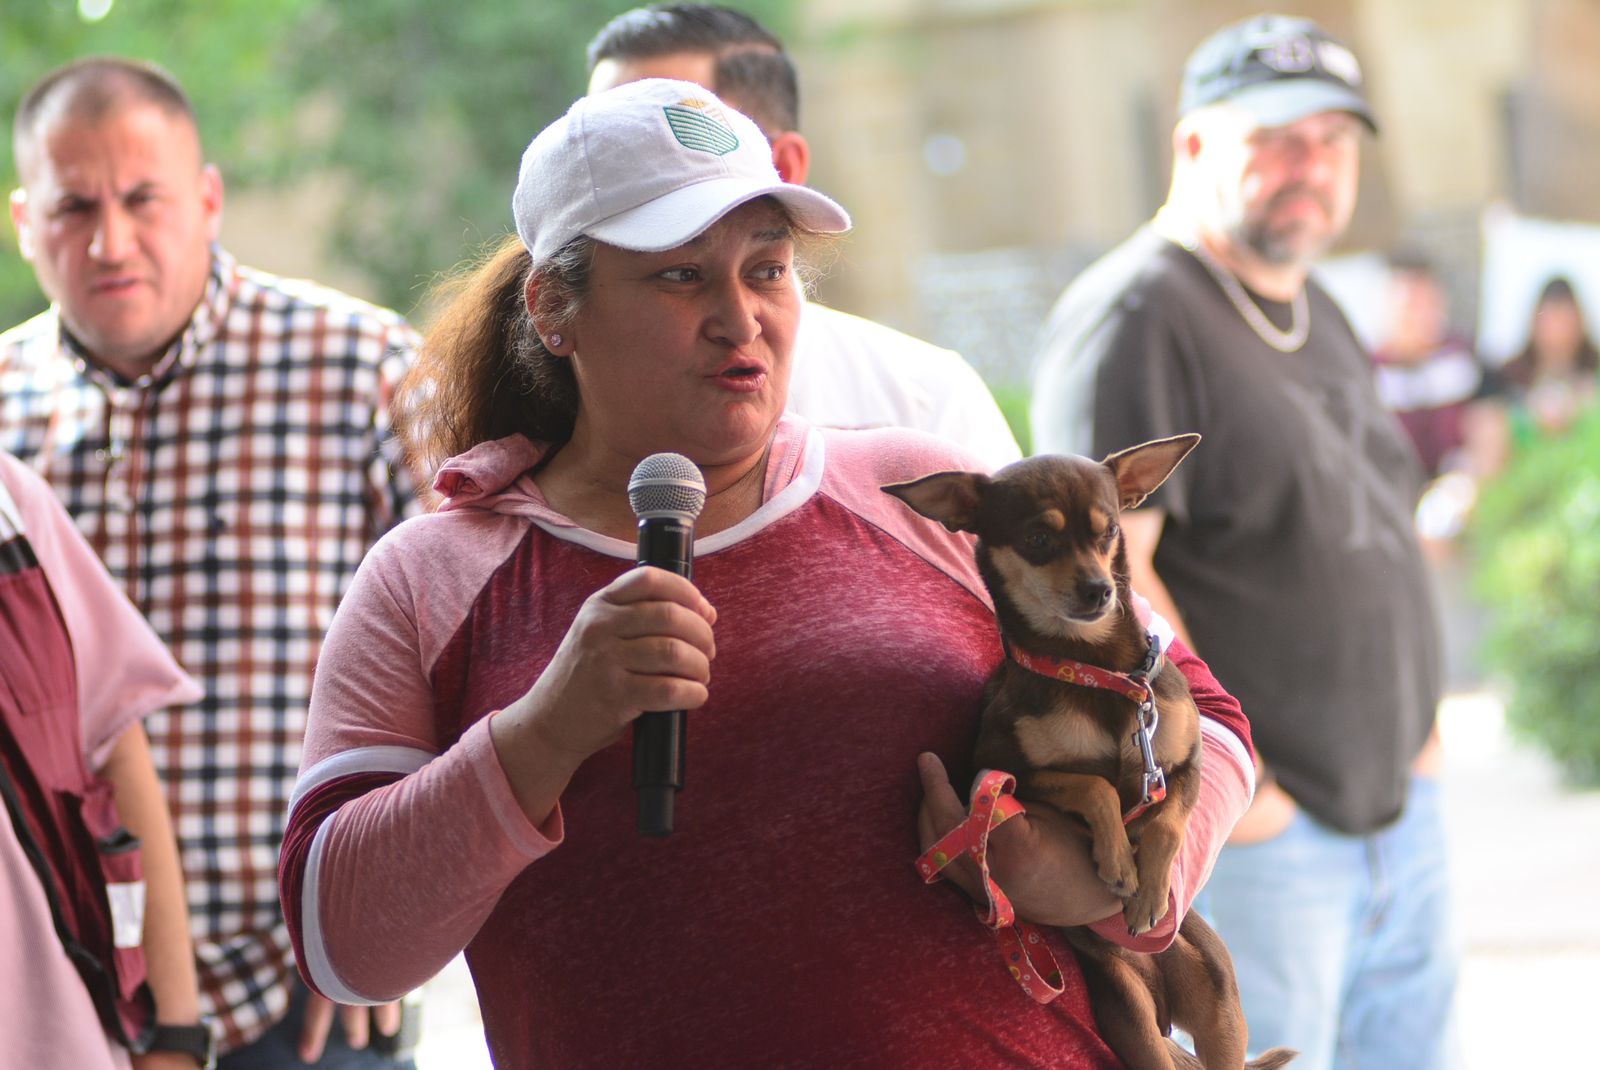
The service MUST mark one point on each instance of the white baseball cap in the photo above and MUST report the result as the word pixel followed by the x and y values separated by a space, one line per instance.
pixel 647 166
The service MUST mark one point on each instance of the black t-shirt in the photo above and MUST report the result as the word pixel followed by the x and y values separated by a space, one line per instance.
pixel 1288 545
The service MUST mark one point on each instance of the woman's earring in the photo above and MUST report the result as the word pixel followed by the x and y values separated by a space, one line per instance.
pixel 555 340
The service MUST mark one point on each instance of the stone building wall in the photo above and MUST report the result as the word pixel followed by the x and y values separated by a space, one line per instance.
pixel 990 148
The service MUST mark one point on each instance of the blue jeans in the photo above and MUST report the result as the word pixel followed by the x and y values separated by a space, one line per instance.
pixel 277 1048
pixel 1344 945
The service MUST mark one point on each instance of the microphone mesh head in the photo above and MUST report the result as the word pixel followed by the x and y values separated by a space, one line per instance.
pixel 669 485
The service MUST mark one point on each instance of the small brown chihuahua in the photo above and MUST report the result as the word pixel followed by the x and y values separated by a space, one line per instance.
pixel 1073 713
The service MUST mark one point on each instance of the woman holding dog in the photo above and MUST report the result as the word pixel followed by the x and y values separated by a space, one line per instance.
pixel 467 781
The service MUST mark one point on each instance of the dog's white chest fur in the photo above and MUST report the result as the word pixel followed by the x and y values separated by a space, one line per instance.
pixel 1047 741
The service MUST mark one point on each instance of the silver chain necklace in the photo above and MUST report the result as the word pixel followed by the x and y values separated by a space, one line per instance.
pixel 1299 312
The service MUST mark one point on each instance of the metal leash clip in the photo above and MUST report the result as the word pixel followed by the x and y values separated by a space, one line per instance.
pixel 1155 781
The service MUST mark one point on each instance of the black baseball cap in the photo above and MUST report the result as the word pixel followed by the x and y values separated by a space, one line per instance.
pixel 1278 68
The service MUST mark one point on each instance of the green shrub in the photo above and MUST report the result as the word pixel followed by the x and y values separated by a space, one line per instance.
pixel 1536 538
pixel 1013 401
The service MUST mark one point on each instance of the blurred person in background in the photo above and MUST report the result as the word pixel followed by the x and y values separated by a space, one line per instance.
pixel 1284 545
pixel 1552 381
pixel 95 958
pixel 848 371
pixel 221 438
pixel 1430 377
pixel 1426 372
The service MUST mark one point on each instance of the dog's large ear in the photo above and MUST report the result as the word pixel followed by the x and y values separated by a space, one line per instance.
pixel 1141 469
pixel 951 498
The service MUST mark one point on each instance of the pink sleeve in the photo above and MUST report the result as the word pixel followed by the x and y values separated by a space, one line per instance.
pixel 123 670
pixel 387 890
pixel 386 835
pixel 861 463
pixel 1227 781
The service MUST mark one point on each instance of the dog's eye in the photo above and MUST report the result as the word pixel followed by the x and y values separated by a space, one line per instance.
pixel 1036 542
pixel 1110 535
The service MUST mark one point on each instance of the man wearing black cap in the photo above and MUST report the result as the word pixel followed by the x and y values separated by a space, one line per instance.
pixel 1283 548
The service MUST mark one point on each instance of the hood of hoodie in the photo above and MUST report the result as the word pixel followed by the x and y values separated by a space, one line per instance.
pixel 493 475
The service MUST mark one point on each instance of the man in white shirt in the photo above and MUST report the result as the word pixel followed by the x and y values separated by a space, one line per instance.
pixel 848 371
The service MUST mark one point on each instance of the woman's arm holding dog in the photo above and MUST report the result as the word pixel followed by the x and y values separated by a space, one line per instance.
pixel 1044 865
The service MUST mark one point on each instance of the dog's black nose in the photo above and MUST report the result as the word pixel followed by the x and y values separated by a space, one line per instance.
pixel 1095 593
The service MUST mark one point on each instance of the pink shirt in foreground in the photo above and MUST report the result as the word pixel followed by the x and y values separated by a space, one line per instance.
pixel 123 672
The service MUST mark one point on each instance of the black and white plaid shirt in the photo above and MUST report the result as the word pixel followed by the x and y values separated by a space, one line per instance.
pixel 232 491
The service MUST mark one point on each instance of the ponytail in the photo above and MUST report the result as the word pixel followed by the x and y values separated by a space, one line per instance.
pixel 483 372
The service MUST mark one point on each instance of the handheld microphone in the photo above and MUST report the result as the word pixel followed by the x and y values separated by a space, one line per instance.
pixel 667 493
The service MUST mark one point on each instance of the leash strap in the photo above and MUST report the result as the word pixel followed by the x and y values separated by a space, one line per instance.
pixel 992 805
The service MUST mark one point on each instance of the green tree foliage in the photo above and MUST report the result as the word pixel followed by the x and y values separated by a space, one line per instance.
pixel 227 53
pixel 1013 399
pixel 434 104
pixel 422 108
pixel 1538 573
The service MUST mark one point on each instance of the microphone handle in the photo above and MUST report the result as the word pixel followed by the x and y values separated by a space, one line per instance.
pixel 658 736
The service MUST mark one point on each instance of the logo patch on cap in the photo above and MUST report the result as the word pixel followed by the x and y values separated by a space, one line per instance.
pixel 1340 62
pixel 699 126
pixel 1293 55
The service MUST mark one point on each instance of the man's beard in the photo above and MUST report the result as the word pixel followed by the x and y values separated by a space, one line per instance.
pixel 1285 244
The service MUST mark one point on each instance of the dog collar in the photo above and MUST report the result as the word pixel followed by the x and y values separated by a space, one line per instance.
pixel 1134 685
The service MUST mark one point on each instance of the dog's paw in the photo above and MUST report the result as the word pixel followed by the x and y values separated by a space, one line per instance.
pixel 1118 869
pixel 1145 908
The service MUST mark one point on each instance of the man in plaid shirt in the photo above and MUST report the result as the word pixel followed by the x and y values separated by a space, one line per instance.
pixel 221 437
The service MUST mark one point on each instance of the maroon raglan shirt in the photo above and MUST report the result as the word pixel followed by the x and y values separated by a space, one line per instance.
pixel 783 922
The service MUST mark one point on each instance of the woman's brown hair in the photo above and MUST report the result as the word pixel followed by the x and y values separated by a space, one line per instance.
pixel 1523 369
pixel 484 372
